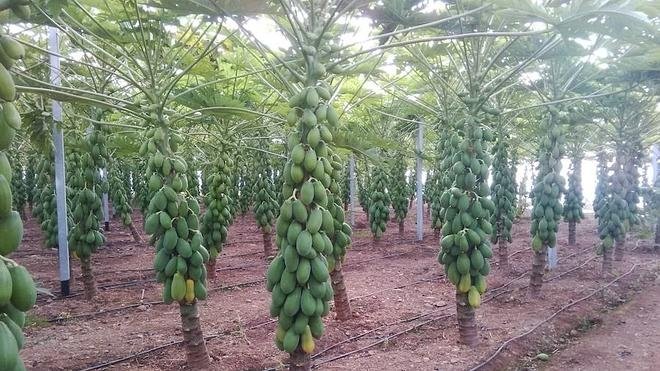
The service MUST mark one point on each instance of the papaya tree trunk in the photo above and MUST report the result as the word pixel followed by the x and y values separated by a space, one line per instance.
pixel 300 361
pixel 467 325
pixel 536 277
pixel 197 357
pixel 134 232
pixel 607 262
pixel 88 278
pixel 618 249
pixel 503 254
pixel 401 227
pixel 210 268
pixel 571 232
pixel 268 244
pixel 342 305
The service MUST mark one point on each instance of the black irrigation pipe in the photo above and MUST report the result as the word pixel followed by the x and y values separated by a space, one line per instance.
pixel 217 270
pixel 132 283
pixel 151 280
pixel 555 314
pixel 389 337
pixel 94 314
pixel 526 272
pixel 135 305
pixel 110 286
pixel 209 337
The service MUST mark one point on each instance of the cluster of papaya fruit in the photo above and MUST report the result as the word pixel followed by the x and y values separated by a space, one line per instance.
pixel 634 158
pixel 441 180
pixel 363 192
pixel 379 202
pixel 172 221
pixel 193 180
pixel 602 178
pixel 466 249
pixel 340 233
pixel 265 199
pixel 245 186
pixel 85 236
pixel 18 186
pixel 11 225
pixel 298 277
pixel 45 205
pixel 17 295
pixel 118 195
pixel 17 290
pixel 573 198
pixel 547 210
pixel 612 212
pixel 345 186
pixel 398 189
pixel 95 142
pixel 502 191
pixel 218 215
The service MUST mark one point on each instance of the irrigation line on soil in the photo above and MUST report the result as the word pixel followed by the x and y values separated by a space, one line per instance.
pixel 422 315
pixel 135 305
pixel 151 280
pixel 209 337
pixel 160 347
pixel 555 314
pixel 528 270
pixel 94 314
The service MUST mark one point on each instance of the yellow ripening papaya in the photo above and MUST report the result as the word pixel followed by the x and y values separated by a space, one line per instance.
pixel 190 291
pixel 307 341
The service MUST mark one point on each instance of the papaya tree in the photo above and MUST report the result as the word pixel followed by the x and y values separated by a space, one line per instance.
pixel 265 202
pixel 611 213
pixel 340 235
pixel 218 215
pixel 120 199
pixel 548 187
pixel 573 200
pixel 85 236
pixel 45 205
pixel 601 180
pixel 628 118
pixel 398 189
pixel 246 183
pixel 379 202
pixel 298 277
pixel 18 185
pixel 363 194
pixel 29 180
pixel 503 195
pixel 193 179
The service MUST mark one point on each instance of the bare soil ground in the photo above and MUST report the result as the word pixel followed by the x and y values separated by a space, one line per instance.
pixel 628 338
pixel 403 306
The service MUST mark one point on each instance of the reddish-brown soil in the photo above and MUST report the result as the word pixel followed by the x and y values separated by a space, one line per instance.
pixel 628 338
pixel 395 286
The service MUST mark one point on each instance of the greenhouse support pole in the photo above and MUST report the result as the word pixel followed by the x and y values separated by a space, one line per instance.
pixel 351 187
pixel 60 185
pixel 552 257
pixel 418 173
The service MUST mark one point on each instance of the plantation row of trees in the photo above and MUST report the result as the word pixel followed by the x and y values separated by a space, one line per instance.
pixel 195 115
